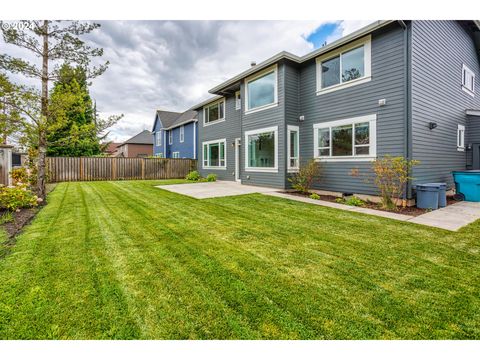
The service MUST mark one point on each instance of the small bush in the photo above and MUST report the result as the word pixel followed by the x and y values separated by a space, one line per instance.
pixel 315 196
pixel 211 177
pixel 19 176
pixel 13 198
pixel 193 176
pixel 391 177
pixel 351 200
pixel 303 180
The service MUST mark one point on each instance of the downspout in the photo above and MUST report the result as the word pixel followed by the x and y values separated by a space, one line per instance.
pixel 408 101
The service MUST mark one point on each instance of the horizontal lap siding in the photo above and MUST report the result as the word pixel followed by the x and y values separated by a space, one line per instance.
pixel 388 76
pixel 228 129
pixel 439 48
pixel 266 118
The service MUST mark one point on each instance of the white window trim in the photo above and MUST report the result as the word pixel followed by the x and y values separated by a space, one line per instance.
pixel 367 51
pixel 238 101
pixel 471 73
pixel 289 129
pixel 275 95
pixel 182 133
pixel 211 104
pixel 176 154
pixel 460 138
pixel 274 169
pixel 224 141
pixel 158 138
pixel 371 119
pixel 170 137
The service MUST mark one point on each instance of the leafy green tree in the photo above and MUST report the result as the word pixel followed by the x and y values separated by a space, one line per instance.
pixel 10 116
pixel 74 131
pixel 51 42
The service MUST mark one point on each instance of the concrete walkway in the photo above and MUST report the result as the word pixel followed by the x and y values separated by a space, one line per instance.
pixel 205 190
pixel 452 217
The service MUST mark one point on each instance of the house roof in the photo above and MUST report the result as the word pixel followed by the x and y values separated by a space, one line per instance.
pixel 299 59
pixel 207 101
pixel 144 137
pixel 167 117
pixel 112 147
pixel 172 119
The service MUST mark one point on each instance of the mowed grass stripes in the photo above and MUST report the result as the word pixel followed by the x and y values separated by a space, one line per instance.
pixel 126 260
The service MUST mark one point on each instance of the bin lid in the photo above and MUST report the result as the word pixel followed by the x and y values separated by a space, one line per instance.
pixel 428 187
pixel 442 185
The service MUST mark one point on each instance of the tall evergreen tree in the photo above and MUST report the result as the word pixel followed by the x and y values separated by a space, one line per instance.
pixel 75 130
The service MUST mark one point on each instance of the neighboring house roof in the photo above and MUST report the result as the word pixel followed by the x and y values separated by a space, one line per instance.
pixel 111 147
pixel 166 117
pixel 144 138
pixel 171 120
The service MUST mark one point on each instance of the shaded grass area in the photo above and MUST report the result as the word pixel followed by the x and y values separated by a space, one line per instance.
pixel 123 260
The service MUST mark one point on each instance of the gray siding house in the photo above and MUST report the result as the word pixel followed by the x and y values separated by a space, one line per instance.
pixel 402 88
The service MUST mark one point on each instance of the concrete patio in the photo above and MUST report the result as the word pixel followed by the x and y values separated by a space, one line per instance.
pixel 205 190
pixel 452 217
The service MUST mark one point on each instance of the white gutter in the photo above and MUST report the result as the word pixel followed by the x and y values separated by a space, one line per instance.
pixel 208 101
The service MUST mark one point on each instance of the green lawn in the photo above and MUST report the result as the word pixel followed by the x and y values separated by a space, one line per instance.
pixel 128 260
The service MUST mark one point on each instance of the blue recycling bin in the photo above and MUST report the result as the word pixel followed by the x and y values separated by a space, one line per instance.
pixel 467 183
pixel 427 196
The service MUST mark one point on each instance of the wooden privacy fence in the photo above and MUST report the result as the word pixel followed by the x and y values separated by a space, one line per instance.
pixel 107 168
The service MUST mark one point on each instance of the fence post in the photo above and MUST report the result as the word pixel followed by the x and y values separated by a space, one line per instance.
pixel 143 169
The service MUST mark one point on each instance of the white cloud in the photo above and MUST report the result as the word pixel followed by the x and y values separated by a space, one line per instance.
pixel 171 64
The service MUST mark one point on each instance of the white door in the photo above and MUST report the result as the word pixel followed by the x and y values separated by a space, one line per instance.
pixel 237 159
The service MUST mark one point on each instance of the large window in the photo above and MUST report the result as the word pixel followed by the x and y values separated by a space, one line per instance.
pixel 261 151
pixel 468 80
pixel 346 139
pixel 293 148
pixel 158 138
pixel 214 154
pixel 461 138
pixel 261 90
pixel 214 112
pixel 349 65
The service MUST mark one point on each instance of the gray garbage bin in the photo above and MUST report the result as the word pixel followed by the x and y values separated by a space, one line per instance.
pixel 442 194
pixel 427 196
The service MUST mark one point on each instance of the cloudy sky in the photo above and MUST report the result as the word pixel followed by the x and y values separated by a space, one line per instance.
pixel 170 65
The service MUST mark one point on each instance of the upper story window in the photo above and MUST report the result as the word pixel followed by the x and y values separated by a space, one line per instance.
pixel 468 80
pixel 182 133
pixel 261 90
pixel 348 139
pixel 158 138
pixel 349 65
pixel 238 101
pixel 170 137
pixel 214 112
pixel 461 138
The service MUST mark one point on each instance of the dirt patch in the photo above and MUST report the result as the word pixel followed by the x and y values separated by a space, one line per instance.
pixel 408 210
pixel 20 219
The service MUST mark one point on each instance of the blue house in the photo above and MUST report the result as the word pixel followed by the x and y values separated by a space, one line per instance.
pixel 175 134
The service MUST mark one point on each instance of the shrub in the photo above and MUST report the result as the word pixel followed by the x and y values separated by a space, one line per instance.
pixel 315 196
pixel 303 179
pixel 193 176
pixel 19 176
pixel 211 177
pixel 13 198
pixel 391 177
pixel 351 200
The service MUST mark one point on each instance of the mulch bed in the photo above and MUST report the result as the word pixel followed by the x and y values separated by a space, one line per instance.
pixel 20 219
pixel 409 210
